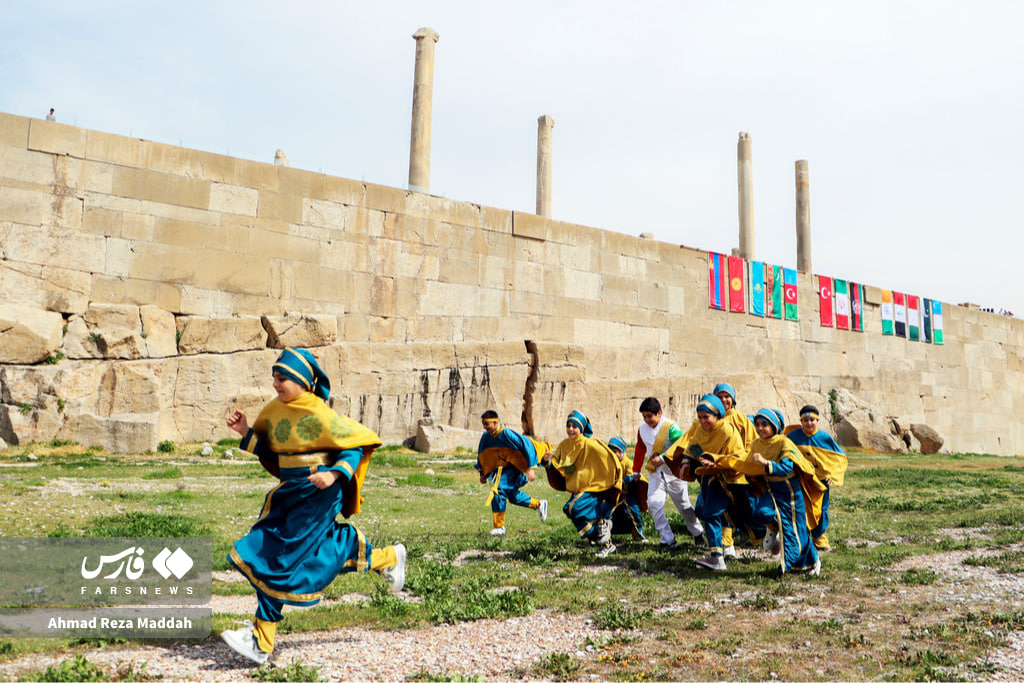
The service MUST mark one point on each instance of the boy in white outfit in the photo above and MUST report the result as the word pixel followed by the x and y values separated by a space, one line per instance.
pixel 655 435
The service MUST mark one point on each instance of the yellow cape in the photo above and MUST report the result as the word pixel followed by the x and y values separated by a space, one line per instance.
pixel 587 465
pixel 308 424
pixel 722 440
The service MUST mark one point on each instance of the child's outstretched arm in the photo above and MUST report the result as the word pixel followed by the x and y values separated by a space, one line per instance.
pixel 238 422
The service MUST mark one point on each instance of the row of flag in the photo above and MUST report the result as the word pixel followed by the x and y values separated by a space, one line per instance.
pixel 916 318
pixel 846 299
pixel 773 291
pixel 773 294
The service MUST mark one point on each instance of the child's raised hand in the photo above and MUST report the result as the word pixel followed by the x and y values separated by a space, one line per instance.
pixel 759 459
pixel 238 423
pixel 322 480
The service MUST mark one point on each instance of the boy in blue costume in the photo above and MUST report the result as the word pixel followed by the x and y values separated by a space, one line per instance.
pixel 590 471
pixel 505 459
pixel 694 456
pixel 300 541
pixel 829 462
pixel 627 515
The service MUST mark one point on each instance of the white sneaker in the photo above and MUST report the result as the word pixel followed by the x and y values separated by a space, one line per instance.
pixel 604 532
pixel 543 511
pixel 498 531
pixel 712 562
pixel 243 641
pixel 770 539
pixel 395 574
pixel 606 550
pixel 817 568
pixel 729 551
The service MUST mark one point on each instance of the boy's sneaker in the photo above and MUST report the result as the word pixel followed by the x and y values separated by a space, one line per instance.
pixel 543 511
pixel 817 568
pixel 243 641
pixel 729 551
pixel 606 550
pixel 712 562
pixel 395 574
pixel 770 539
pixel 604 532
pixel 498 531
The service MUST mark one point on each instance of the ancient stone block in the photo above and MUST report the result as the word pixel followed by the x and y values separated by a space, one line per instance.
pixel 45 287
pixel 300 330
pixel 437 438
pixel 158 332
pixel 929 439
pixel 162 188
pixel 200 334
pixel 136 433
pixel 13 130
pixel 28 335
pixel 56 138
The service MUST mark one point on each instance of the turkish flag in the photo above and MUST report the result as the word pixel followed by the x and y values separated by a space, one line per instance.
pixel 825 299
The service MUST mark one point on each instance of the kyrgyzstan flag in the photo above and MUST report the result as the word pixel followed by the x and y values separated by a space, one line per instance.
pixel 887 312
pixel 825 299
pixel 937 335
pixel 737 292
pixel 842 306
pixel 789 284
pixel 716 281
pixel 856 307
pixel 913 318
pixel 899 314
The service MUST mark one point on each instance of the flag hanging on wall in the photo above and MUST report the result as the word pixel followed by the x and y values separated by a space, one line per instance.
pixel 716 281
pixel 774 290
pixel 913 319
pixel 899 314
pixel 789 277
pixel 887 312
pixel 825 300
pixel 842 306
pixel 926 320
pixel 937 322
pixel 757 288
pixel 737 292
pixel 856 307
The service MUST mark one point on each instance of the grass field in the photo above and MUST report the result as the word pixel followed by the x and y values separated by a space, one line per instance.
pixel 874 614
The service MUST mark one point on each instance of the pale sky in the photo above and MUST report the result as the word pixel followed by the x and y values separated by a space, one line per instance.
pixel 909 113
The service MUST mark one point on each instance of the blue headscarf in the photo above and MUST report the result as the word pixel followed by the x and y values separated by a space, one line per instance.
pixel 581 421
pixel 709 403
pixel 301 367
pixel 617 442
pixel 727 388
pixel 772 417
pixel 782 420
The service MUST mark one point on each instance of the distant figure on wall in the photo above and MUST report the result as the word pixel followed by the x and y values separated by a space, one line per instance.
pixel 50 116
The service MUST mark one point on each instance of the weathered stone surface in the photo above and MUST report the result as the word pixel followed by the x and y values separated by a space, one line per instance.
pixel 220 335
pixel 930 440
pixel 300 330
pixel 158 331
pixel 28 335
pixel 861 426
pixel 106 331
pixel 3 445
pixel 134 433
pixel 434 438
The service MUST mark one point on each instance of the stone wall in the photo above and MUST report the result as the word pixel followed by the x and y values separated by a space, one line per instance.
pixel 146 288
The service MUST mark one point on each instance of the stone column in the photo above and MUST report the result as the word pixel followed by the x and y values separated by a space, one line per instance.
pixel 745 180
pixel 422 103
pixel 545 128
pixel 803 218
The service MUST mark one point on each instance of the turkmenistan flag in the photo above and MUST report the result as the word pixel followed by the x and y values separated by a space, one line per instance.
pixel 776 289
pixel 900 314
pixel 887 311
pixel 913 319
pixel 789 276
pixel 757 288
pixel 937 322
pixel 926 320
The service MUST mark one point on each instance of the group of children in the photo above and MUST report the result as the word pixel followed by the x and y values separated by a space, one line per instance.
pixel 773 487
pixel 757 477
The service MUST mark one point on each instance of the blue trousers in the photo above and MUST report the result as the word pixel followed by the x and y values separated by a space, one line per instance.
pixel 586 509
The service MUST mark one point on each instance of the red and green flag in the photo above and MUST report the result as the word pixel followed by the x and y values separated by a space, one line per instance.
pixel 856 307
